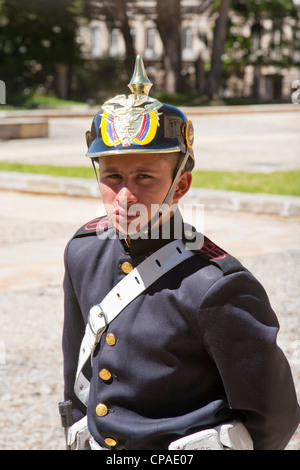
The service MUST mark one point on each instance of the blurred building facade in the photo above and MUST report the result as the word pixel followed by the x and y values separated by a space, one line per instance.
pixel 264 65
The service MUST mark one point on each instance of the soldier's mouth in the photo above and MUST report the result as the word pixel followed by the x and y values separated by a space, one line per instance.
pixel 126 216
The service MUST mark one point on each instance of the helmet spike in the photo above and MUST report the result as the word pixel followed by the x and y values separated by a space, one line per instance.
pixel 140 83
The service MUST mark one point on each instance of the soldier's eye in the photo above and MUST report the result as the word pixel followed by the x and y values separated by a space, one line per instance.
pixel 144 176
pixel 112 178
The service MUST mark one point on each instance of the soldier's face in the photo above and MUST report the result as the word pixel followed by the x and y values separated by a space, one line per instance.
pixel 134 186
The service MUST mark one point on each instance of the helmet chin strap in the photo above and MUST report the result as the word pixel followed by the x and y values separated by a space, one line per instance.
pixel 152 223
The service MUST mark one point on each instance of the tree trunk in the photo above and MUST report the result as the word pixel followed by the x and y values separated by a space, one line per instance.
pixel 121 6
pixel 169 27
pixel 2 92
pixel 61 80
pixel 114 13
pixel 220 34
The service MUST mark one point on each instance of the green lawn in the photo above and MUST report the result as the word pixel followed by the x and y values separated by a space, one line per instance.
pixel 36 101
pixel 278 182
pixel 68 171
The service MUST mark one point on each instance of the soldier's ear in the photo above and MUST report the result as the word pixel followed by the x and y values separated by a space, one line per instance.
pixel 183 185
pixel 88 138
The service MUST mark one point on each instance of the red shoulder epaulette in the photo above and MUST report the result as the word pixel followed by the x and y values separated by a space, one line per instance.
pixel 211 252
pixel 94 227
pixel 220 258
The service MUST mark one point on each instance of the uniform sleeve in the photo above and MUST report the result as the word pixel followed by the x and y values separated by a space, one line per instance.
pixel 73 332
pixel 239 329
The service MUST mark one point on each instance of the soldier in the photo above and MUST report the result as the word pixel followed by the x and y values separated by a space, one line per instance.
pixel 184 348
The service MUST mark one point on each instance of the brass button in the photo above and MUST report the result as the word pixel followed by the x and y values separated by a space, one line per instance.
pixel 101 409
pixel 110 442
pixel 110 339
pixel 104 374
pixel 126 267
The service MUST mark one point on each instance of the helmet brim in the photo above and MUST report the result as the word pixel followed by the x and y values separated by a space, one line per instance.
pixel 98 149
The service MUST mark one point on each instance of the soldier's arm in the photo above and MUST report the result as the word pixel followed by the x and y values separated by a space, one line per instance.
pixel 73 331
pixel 240 328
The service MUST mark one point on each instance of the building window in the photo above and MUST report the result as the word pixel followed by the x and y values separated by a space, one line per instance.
pixel 96 41
pixel 150 39
pixel 114 37
pixel 114 43
pixel 187 39
pixel 133 35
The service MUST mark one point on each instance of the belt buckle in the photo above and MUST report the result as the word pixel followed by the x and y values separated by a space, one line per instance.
pixel 99 313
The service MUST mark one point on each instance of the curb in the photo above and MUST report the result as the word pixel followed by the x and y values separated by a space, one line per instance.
pixel 23 128
pixel 239 109
pixel 285 206
pixel 48 185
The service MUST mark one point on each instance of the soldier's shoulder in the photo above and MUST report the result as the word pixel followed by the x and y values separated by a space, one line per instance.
pixel 95 227
pixel 213 254
pixel 219 257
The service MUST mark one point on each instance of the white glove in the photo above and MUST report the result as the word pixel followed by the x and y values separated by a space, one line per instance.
pixel 78 435
pixel 229 436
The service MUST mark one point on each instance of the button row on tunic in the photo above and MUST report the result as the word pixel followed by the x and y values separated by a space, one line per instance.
pixel 102 410
pixel 105 374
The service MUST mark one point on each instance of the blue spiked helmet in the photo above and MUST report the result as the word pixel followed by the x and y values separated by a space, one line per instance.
pixel 139 123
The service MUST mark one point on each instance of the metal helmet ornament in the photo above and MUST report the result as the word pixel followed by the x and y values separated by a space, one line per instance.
pixel 139 123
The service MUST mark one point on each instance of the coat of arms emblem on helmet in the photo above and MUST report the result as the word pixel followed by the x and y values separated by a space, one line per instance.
pixel 129 120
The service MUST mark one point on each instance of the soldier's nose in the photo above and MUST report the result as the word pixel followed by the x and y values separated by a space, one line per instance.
pixel 126 197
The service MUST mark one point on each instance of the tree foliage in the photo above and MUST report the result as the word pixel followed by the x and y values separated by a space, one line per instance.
pixel 232 50
pixel 115 14
pixel 39 39
pixel 35 36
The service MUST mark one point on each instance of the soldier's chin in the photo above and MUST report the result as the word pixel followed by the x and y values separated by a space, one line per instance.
pixel 134 229
pixel 127 229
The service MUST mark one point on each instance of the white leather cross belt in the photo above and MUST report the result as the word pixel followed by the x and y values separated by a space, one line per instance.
pixel 145 274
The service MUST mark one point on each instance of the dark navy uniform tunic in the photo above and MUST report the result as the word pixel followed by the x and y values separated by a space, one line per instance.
pixel 196 349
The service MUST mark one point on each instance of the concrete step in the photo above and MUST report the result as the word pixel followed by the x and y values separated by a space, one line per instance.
pixel 23 128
